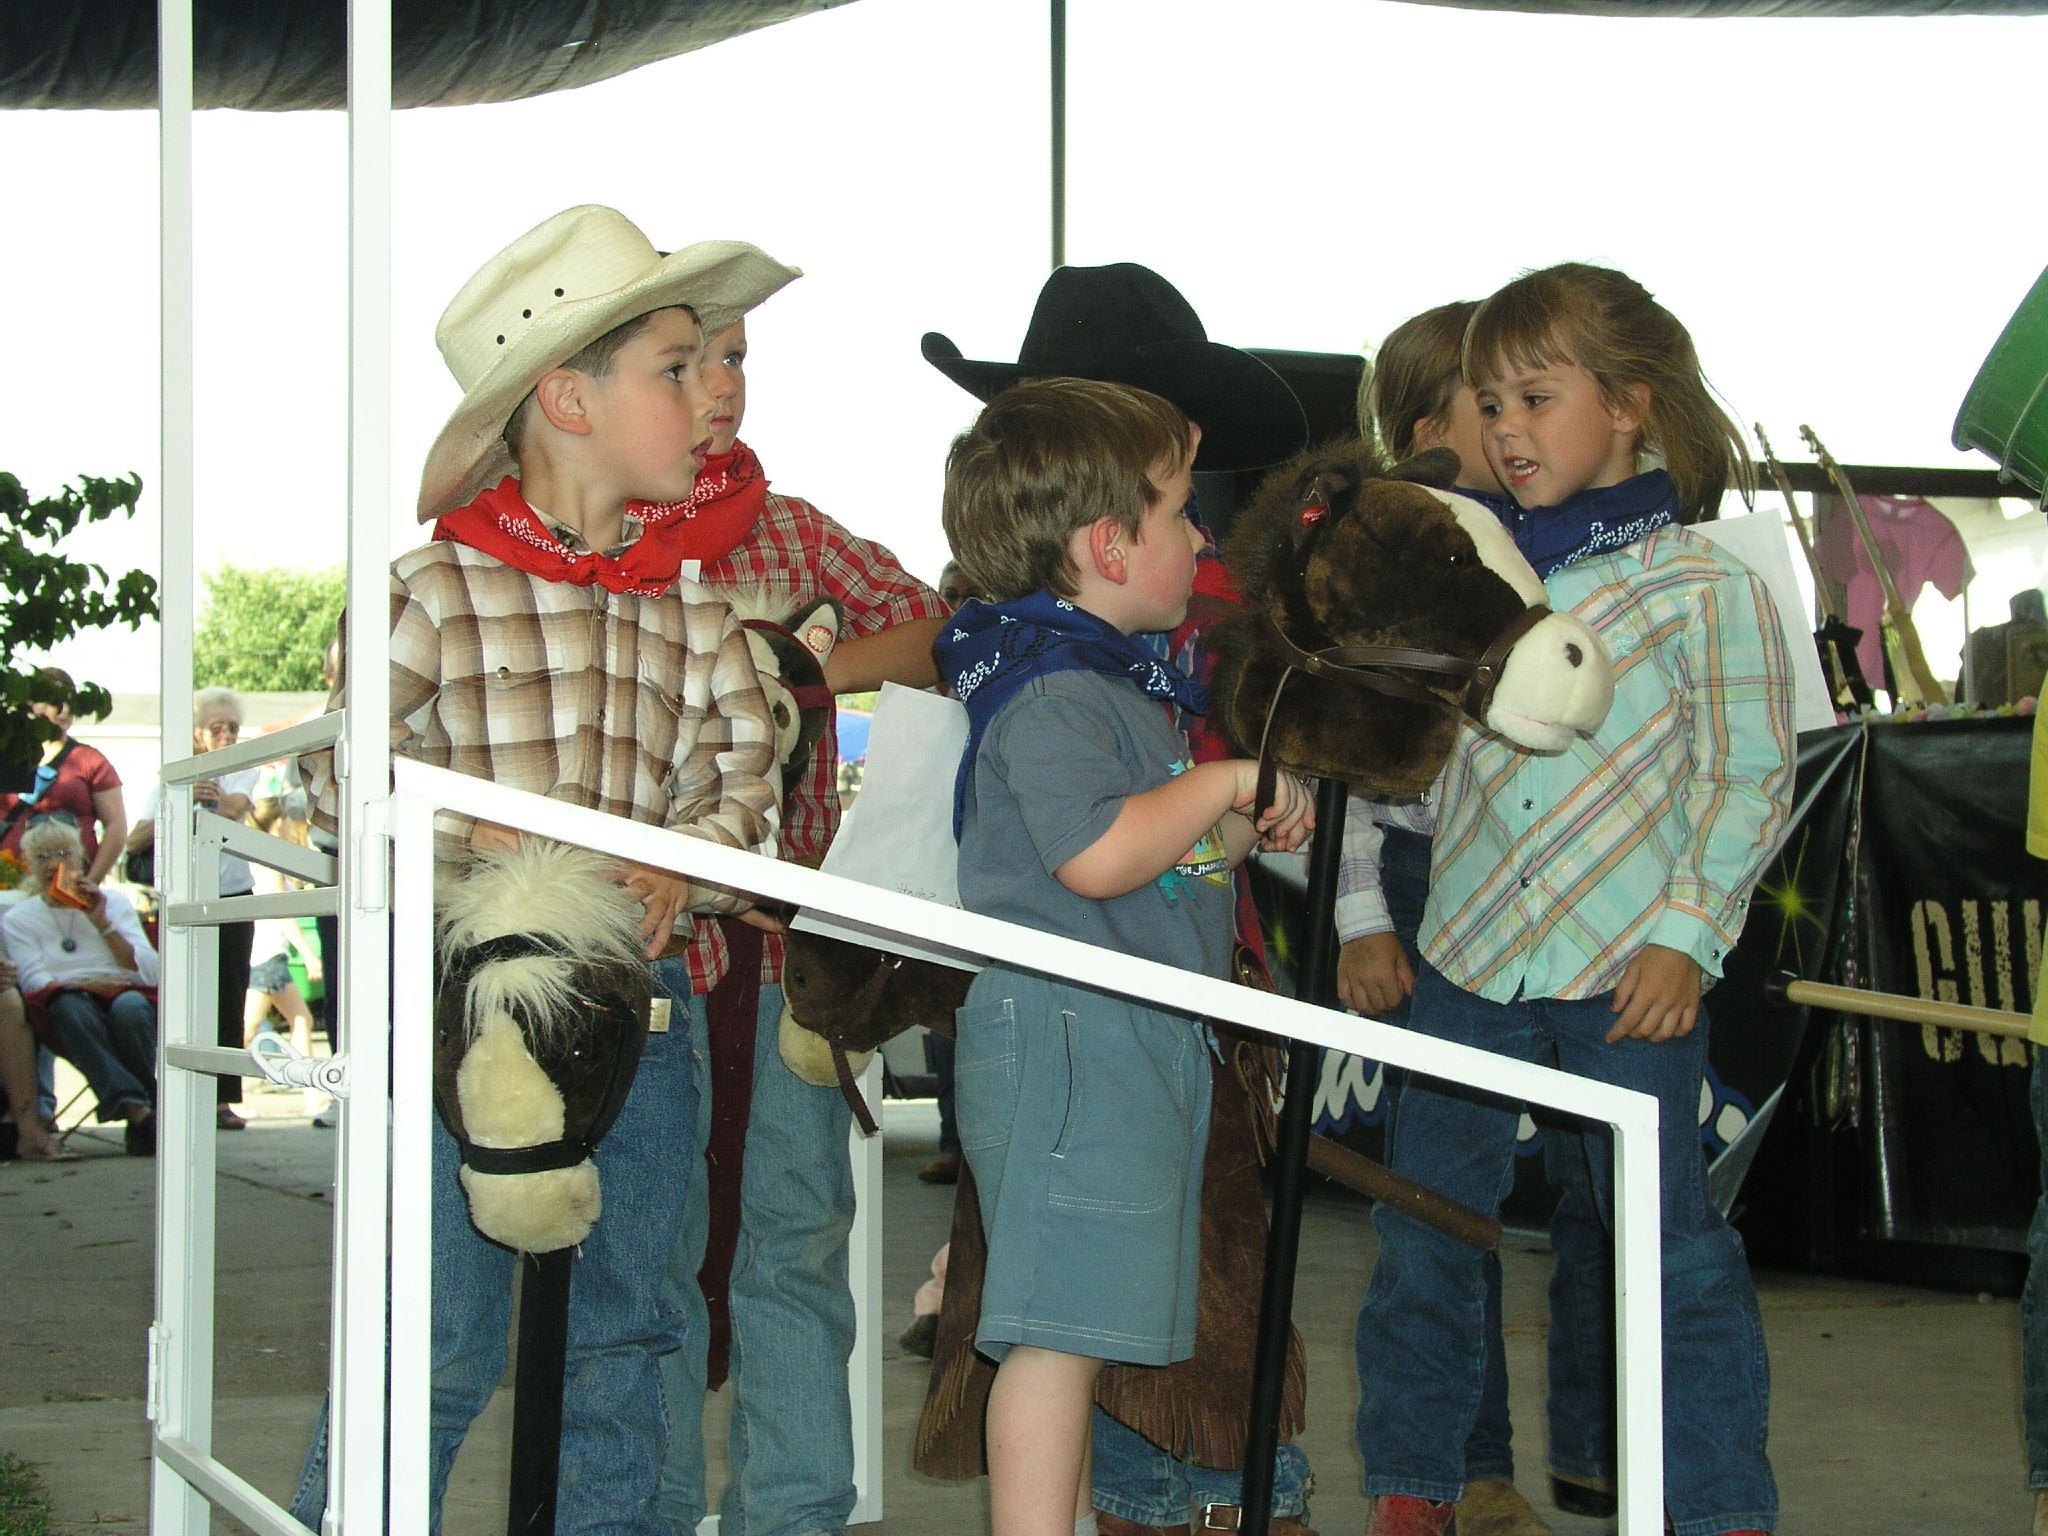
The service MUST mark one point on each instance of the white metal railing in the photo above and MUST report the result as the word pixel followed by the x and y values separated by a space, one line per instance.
pixel 420 790
pixel 187 1477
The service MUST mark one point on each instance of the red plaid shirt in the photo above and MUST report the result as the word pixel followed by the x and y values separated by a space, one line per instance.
pixel 797 552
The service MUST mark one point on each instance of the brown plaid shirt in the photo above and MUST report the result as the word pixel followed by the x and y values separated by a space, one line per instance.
pixel 643 707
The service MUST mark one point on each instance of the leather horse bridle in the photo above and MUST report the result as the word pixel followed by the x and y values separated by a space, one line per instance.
pixel 1387 669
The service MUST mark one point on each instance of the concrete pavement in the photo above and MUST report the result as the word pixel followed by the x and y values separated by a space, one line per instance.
pixel 1895 1410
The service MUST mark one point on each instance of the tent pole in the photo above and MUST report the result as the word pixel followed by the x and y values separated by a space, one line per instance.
pixel 1059 132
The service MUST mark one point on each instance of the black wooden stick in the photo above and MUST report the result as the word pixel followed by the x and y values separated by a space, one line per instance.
pixel 1315 981
pixel 537 1392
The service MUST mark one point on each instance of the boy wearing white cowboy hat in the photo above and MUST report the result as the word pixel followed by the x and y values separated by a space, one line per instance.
pixel 544 639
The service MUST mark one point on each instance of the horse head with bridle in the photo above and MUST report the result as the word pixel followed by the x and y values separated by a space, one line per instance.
pixel 1380 610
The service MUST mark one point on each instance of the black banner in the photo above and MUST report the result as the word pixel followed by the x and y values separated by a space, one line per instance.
pixel 1952 907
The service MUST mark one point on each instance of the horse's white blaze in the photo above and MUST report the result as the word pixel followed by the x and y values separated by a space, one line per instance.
pixel 1558 681
pixel 1495 544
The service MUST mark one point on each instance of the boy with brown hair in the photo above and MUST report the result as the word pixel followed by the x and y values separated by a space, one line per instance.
pixel 1079 812
pixel 543 640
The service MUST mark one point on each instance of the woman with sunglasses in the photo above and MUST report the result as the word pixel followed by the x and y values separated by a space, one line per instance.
pixel 88 975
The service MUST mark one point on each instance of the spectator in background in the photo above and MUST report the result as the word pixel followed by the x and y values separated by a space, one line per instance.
pixel 89 975
pixel 33 1139
pixel 76 778
pixel 327 923
pixel 217 723
pixel 271 985
pixel 73 777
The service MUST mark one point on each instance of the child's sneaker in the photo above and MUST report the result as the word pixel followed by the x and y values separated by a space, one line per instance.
pixel 1400 1514
pixel 1493 1506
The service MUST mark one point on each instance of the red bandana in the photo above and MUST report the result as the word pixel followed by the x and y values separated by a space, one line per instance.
pixel 729 496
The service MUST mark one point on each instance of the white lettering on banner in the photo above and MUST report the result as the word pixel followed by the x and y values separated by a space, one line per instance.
pixel 1947 973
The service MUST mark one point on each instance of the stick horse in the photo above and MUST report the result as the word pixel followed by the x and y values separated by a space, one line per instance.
pixel 1383 615
pixel 538 1031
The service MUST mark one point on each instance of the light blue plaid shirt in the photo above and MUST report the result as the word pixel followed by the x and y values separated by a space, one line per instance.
pixel 1361 907
pixel 1552 871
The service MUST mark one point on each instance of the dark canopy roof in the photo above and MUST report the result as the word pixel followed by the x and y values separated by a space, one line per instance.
pixel 277 55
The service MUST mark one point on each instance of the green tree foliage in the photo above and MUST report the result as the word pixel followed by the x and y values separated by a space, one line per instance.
pixel 47 597
pixel 266 631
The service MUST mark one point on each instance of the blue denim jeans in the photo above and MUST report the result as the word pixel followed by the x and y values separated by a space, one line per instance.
pixel 2034 1298
pixel 46 1082
pixel 1136 1479
pixel 113 1045
pixel 1582 1384
pixel 1424 1318
pixel 789 1451
pixel 1581 1396
pixel 620 1318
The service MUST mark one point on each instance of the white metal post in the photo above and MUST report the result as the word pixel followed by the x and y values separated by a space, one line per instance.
pixel 365 1396
pixel 181 1336
pixel 864 1273
pixel 1639 1324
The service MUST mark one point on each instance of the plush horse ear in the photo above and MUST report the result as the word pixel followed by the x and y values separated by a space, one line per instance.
pixel 1321 482
pixel 818 630
pixel 1434 467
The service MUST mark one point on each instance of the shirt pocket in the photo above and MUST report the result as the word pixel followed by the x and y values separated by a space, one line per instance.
pixel 501 708
pixel 667 719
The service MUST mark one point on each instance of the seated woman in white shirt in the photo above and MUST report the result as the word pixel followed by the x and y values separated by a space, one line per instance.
pixel 86 968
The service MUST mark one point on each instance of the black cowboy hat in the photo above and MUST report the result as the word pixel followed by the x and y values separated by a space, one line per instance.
pixel 1125 324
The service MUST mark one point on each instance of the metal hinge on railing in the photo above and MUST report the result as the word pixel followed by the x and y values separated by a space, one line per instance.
pixel 152 1401
pixel 284 1065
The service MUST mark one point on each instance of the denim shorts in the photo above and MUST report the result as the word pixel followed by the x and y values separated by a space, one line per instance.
pixel 271 976
pixel 1084 1117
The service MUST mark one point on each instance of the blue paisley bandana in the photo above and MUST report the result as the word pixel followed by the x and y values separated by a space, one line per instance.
pixel 987 651
pixel 1595 522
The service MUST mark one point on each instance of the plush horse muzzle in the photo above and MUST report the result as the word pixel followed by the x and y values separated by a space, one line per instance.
pixel 540 1015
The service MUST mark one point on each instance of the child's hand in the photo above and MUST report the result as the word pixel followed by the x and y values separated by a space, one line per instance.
pixel 664 897
pixel 1373 974
pixel 764 918
pixel 1284 825
pixel 1658 997
pixel 489 837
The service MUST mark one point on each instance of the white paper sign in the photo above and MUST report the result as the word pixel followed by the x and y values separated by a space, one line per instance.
pixel 1761 542
pixel 899 832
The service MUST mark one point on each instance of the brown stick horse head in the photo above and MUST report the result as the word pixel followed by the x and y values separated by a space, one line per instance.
pixel 1380 609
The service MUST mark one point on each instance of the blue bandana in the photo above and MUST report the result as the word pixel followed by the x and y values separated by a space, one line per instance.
pixel 1595 522
pixel 988 651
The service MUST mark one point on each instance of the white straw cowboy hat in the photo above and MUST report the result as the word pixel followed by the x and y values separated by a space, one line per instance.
pixel 545 297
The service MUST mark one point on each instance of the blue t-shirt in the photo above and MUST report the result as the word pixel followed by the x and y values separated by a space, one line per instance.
pixel 1054 769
